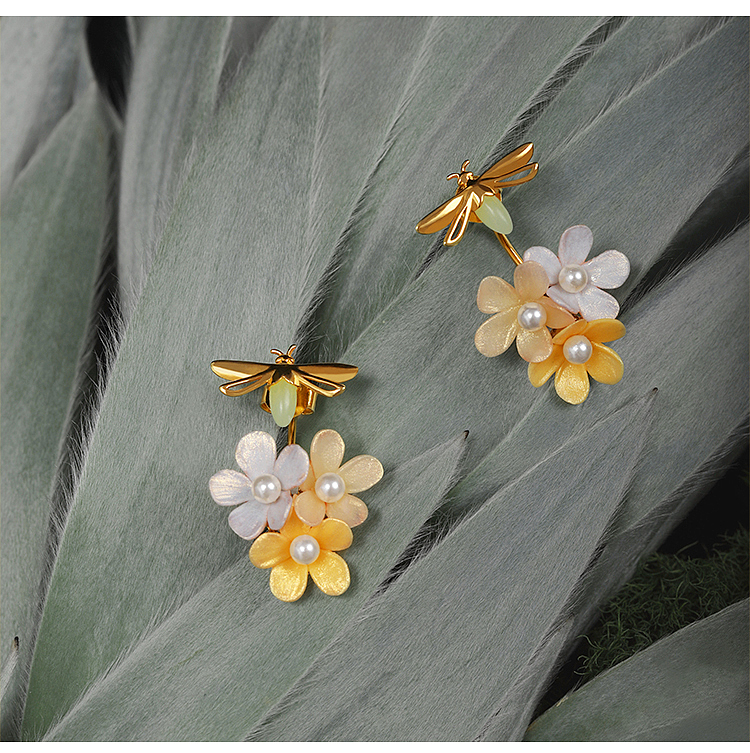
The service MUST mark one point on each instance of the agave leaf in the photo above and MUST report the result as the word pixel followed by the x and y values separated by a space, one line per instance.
pixel 690 686
pixel 52 223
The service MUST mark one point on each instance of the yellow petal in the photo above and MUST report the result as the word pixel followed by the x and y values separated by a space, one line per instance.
pixel 531 280
pixel 496 334
pixel 496 295
pixel 351 510
pixel 540 372
pixel 572 383
pixel 605 365
pixel 576 328
pixel 605 330
pixel 332 534
pixel 330 573
pixel 309 508
pixel 269 549
pixel 361 473
pixel 293 527
pixel 288 580
pixel 326 452
pixel 534 346
pixel 557 316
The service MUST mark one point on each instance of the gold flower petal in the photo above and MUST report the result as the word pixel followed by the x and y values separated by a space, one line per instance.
pixel 496 334
pixel 288 580
pixel 557 316
pixel 605 365
pixel 572 383
pixel 361 473
pixel 269 550
pixel 605 330
pixel 576 328
pixel 530 280
pixel 293 527
pixel 330 573
pixel 352 510
pixel 326 452
pixel 540 372
pixel 534 346
pixel 332 534
pixel 309 508
pixel 495 294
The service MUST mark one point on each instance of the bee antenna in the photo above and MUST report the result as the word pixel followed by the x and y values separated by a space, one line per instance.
pixel 276 352
pixel 452 176
pixel 291 350
pixel 464 166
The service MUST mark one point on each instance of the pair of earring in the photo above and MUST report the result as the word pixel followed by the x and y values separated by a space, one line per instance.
pixel 299 508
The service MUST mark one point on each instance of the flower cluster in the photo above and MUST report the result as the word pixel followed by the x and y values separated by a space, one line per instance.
pixel 299 509
pixel 558 315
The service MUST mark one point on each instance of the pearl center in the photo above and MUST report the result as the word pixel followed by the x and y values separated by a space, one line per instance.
pixel 573 278
pixel 578 349
pixel 266 488
pixel 532 316
pixel 330 487
pixel 304 549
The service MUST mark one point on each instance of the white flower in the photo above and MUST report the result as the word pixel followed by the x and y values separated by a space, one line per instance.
pixel 263 490
pixel 575 283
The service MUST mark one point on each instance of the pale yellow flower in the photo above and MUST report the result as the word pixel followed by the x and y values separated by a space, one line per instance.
pixel 298 549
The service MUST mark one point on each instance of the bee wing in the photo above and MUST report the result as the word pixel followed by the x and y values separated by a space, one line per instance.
pixel 514 177
pixel 239 369
pixel 458 226
pixel 337 372
pixel 442 216
pixel 510 162
pixel 318 384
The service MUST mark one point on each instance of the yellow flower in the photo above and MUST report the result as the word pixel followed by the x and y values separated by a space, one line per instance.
pixel 298 549
pixel 522 314
pixel 329 486
pixel 577 353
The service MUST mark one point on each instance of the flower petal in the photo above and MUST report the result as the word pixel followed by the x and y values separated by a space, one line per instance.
pixel 309 508
pixel 534 346
pixel 496 334
pixel 256 453
pixel 230 487
pixel 330 573
pixel 294 526
pixel 577 328
pixel 278 511
pixel 530 280
pixel 572 383
pixel 605 365
pixel 575 244
pixel 596 304
pixel 540 372
pixel 248 520
pixel 352 510
pixel 605 330
pixel 326 452
pixel 547 259
pixel 361 473
pixel 557 316
pixel 495 295
pixel 332 534
pixel 567 300
pixel 608 270
pixel 291 466
pixel 288 580
pixel 269 550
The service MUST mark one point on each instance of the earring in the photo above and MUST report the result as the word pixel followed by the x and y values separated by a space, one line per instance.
pixel 297 508
pixel 556 311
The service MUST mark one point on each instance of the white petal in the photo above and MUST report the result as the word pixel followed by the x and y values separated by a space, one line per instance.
pixel 575 245
pixel 547 259
pixel 291 466
pixel 256 453
pixel 230 487
pixel 248 520
pixel 562 298
pixel 608 270
pixel 278 511
pixel 596 304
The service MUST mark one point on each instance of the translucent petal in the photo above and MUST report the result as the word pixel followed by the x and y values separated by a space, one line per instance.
pixel 567 300
pixel 608 270
pixel 534 346
pixel 288 580
pixel 294 526
pixel 309 508
pixel 230 487
pixel 577 328
pixel 575 244
pixel 333 534
pixel 605 365
pixel 256 453
pixel 269 550
pixel 326 452
pixel 596 304
pixel 330 573
pixel 278 511
pixel 530 280
pixel 605 330
pixel 572 383
pixel 540 372
pixel 547 259
pixel 361 473
pixel 291 466
pixel 495 294
pixel 248 520
pixel 557 316
pixel 496 334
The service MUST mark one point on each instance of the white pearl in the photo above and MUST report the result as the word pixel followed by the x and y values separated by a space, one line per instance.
pixel 330 487
pixel 304 549
pixel 266 488
pixel 578 349
pixel 532 316
pixel 573 278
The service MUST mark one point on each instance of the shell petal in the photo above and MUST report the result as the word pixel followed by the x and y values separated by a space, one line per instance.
pixel 330 573
pixel 540 372
pixel 495 295
pixel 531 281
pixel 326 452
pixel 575 244
pixel 608 270
pixel 309 508
pixel 547 259
pixel 332 534
pixel 557 316
pixel 605 330
pixel 248 520
pixel 288 580
pixel 495 336
pixel 534 346
pixel 572 383
pixel 352 510
pixel 360 473
pixel 561 297
pixel 256 453
pixel 291 466
pixel 605 365
pixel 269 550
pixel 596 304
pixel 230 488
pixel 278 511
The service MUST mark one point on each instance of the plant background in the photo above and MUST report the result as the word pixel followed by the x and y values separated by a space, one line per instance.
pixel 179 190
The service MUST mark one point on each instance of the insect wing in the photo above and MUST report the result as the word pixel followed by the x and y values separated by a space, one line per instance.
pixel 336 372
pixel 513 178
pixel 310 375
pixel 239 369
pixel 518 158
pixel 442 216
pixel 458 226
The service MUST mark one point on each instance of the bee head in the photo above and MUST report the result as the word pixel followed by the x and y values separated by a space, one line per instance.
pixel 463 177
pixel 283 357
